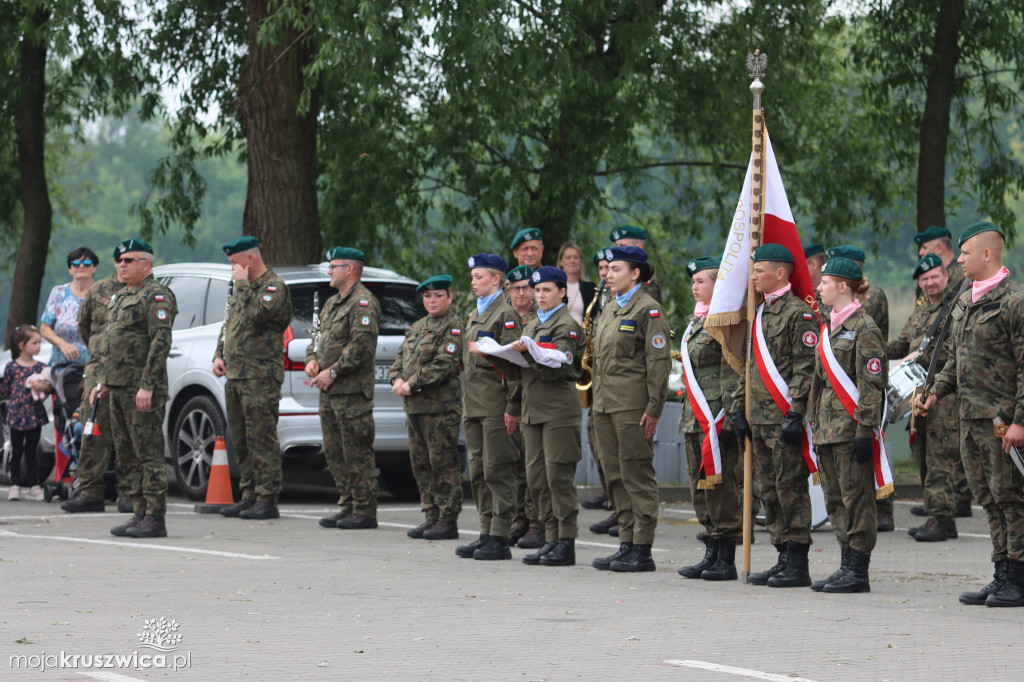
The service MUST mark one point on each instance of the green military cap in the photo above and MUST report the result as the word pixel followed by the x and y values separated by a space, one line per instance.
pixel 520 273
pixel 813 249
pixel 705 263
pixel 241 244
pixel 628 232
pixel 933 232
pixel 847 251
pixel 599 256
pixel 842 267
pixel 929 262
pixel 525 235
pixel 434 283
pixel 978 228
pixel 346 253
pixel 129 245
pixel 772 252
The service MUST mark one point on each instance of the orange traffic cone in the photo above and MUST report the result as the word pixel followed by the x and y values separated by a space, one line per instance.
pixel 218 488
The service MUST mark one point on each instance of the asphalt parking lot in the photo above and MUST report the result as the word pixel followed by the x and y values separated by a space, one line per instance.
pixel 286 599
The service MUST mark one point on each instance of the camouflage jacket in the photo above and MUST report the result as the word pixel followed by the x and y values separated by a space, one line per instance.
pixel 716 378
pixel 875 304
pixel 92 316
pixel 430 359
pixel 790 334
pixel 349 326
pixel 921 320
pixel 550 393
pixel 492 385
pixel 986 364
pixel 137 337
pixel 631 357
pixel 252 343
pixel 860 351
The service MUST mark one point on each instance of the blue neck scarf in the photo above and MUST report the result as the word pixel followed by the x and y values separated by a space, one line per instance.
pixel 483 302
pixel 623 299
pixel 545 316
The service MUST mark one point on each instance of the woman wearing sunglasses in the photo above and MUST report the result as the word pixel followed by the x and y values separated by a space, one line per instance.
pixel 59 323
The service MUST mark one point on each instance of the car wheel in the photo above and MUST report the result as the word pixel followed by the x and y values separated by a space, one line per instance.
pixel 195 431
pixel 401 484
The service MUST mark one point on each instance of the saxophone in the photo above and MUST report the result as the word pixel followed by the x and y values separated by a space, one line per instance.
pixel 586 380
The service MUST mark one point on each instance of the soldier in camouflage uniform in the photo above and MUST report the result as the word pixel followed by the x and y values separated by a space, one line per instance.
pixel 845 443
pixel 94 456
pixel 790 334
pixel 986 371
pixel 632 235
pixel 426 374
pixel 249 353
pixel 343 369
pixel 132 369
pixel 936 443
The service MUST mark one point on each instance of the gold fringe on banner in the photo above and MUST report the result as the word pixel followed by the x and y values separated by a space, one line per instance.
pixel 885 491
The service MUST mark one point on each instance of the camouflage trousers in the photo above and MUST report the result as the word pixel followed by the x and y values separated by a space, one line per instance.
pixel 782 486
pixel 434 456
pixel 552 451
pixel 526 509
pixel 139 436
pixel 936 449
pixel 492 473
pixel 849 488
pixel 628 461
pixel 348 448
pixel 94 457
pixel 252 410
pixel 719 509
pixel 997 485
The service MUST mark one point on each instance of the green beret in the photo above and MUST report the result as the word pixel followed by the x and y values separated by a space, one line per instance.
pixel 628 232
pixel 842 267
pixel 705 263
pixel 129 245
pixel 813 249
pixel 525 235
pixel 772 252
pixel 598 257
pixel 520 273
pixel 933 232
pixel 346 253
pixel 929 262
pixel 434 283
pixel 847 251
pixel 241 244
pixel 977 228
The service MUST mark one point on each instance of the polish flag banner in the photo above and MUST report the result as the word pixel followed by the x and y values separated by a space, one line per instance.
pixel 726 320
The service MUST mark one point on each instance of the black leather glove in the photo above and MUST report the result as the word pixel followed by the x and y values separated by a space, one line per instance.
pixel 792 427
pixel 740 426
pixel 727 439
pixel 863 449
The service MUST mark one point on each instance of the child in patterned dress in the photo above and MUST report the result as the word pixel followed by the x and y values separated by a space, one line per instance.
pixel 25 414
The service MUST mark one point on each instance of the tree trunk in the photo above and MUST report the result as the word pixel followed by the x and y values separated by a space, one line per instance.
pixel 281 202
pixel 931 160
pixel 35 197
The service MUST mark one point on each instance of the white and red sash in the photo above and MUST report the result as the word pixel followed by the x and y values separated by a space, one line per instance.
pixel 711 450
pixel 849 396
pixel 779 391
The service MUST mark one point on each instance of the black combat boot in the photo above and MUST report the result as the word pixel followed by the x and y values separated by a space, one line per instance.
pixel 516 534
pixel 357 522
pixel 534 559
pixel 442 530
pixel 260 511
pixel 795 574
pixel 122 530
pixel 599 502
pixel 963 509
pixel 855 579
pixel 563 554
pixel 978 598
pixel 886 524
pixel 918 510
pixel 1012 591
pixel 148 527
pixel 417 532
pixel 233 510
pixel 332 520
pixel 710 555
pixel 639 560
pixel 82 503
pixel 933 530
pixel 126 506
pixel 844 566
pixel 534 538
pixel 725 563
pixel 466 551
pixel 762 577
pixel 495 549
pixel 601 527
pixel 605 563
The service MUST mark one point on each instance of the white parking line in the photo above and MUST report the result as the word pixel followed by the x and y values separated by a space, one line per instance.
pixel 730 670
pixel 137 545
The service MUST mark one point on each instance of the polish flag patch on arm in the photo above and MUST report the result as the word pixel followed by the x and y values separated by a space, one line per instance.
pixel 655 312
pixel 510 324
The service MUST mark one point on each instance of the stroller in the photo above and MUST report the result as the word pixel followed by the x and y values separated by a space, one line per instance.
pixel 67 384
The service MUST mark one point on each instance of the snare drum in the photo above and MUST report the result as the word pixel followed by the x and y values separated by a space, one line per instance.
pixel 904 380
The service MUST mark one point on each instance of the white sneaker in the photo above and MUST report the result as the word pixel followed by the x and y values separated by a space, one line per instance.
pixel 14 493
pixel 35 494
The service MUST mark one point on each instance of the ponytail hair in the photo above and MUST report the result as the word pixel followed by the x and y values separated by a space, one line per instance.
pixel 860 286
pixel 20 335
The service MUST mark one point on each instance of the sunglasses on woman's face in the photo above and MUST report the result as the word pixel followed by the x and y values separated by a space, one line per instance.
pixel 81 263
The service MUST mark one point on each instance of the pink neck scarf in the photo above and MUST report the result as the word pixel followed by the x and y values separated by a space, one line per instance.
pixel 770 298
pixel 839 316
pixel 982 287
pixel 701 309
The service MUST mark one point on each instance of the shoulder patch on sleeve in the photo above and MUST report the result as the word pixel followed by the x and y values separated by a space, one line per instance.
pixel 658 341
pixel 874 365
pixel 271 287
pixel 510 324
pixel 573 334
pixel 158 297
pixel 161 314
pixel 810 339
pixel 450 348
pixel 363 302
pixel 365 320
pixel 654 312
pixel 808 316
pixel 456 332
